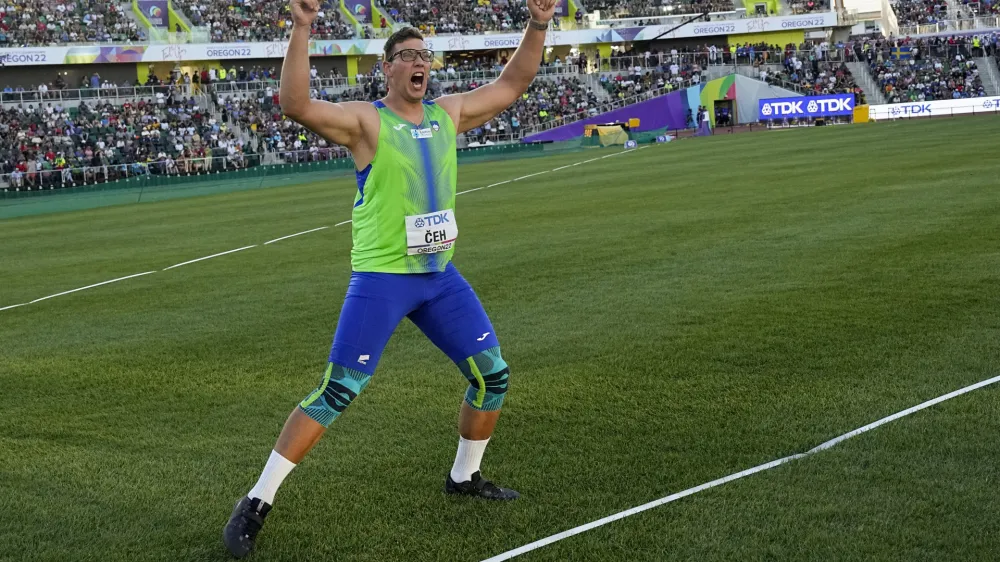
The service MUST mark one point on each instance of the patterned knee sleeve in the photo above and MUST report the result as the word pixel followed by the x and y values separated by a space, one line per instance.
pixel 339 387
pixel 488 376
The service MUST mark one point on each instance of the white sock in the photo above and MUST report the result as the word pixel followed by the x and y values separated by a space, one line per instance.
pixel 470 454
pixel 275 471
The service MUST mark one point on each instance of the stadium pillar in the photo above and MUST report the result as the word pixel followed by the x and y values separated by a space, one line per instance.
pixel 352 69
pixel 604 52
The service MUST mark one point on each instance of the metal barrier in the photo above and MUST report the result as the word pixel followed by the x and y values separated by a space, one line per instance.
pixel 314 154
pixel 721 57
pixel 127 93
pixel 494 137
pixel 970 24
pixel 112 94
pixel 943 51
pixel 92 175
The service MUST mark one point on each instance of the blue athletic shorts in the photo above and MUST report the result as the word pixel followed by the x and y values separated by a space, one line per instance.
pixel 442 305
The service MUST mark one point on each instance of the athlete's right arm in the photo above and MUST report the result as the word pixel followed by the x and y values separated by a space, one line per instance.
pixel 340 123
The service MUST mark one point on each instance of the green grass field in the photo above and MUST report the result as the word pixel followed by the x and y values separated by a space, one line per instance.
pixel 671 316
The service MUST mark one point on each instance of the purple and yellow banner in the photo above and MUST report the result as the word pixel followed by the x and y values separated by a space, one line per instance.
pixel 664 112
pixel 360 10
pixel 155 11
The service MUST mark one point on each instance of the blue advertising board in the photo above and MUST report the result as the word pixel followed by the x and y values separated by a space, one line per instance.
pixel 812 106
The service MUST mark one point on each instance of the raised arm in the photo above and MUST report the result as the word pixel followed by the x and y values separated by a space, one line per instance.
pixel 337 122
pixel 482 104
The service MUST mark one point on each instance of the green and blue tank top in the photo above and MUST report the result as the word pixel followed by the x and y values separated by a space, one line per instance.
pixel 404 218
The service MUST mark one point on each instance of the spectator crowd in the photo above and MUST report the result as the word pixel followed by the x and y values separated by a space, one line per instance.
pixel 49 22
pixel 161 126
pixel 52 22
pixel 47 145
pixel 643 9
pixel 440 17
pixel 920 12
pixel 937 68
pixel 233 21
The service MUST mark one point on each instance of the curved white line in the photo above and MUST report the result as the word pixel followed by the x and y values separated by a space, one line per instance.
pixel 718 482
pixel 209 257
pixel 88 287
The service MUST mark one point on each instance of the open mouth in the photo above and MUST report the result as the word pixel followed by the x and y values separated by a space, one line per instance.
pixel 417 79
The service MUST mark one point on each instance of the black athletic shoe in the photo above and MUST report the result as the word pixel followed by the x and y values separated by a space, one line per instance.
pixel 480 488
pixel 240 533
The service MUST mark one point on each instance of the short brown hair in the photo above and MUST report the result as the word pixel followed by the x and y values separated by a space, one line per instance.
pixel 398 37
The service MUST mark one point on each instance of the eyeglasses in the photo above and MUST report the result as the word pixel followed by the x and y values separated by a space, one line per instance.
pixel 410 55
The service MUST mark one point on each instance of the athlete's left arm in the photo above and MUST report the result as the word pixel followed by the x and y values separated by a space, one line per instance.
pixel 471 109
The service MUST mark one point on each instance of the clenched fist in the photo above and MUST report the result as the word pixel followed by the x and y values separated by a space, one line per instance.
pixel 304 12
pixel 542 10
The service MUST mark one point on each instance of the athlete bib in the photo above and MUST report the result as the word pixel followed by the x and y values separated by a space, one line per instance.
pixel 431 233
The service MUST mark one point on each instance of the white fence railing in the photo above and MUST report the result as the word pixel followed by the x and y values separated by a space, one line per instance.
pixel 947 26
pixel 721 57
pixel 89 175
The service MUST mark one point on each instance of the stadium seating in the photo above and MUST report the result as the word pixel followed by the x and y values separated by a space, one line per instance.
pixel 548 100
pixel 939 68
pixel 930 78
pixel 48 22
pixel 43 22
pixel 920 12
pixel 263 20
pixel 459 16
pixel 100 141
pixel 157 128
pixel 809 6
pixel 816 77
pixel 640 8
pixel 170 134
pixel 30 22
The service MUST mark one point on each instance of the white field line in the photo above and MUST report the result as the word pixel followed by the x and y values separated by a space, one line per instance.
pixel 531 175
pixel 718 482
pixel 209 257
pixel 88 287
pixel 294 235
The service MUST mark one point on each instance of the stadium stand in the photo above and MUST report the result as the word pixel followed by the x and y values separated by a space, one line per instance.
pixel 188 124
pixel 938 68
pixel 919 12
pixel 260 20
pixel 45 22
pixel 169 133
pixel 640 8
pixel 51 22
pixel 814 76
pixel 808 6
pixel 459 16
pixel 51 145
pixel 931 78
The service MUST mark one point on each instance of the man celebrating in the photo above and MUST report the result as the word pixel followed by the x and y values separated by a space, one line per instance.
pixel 404 233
